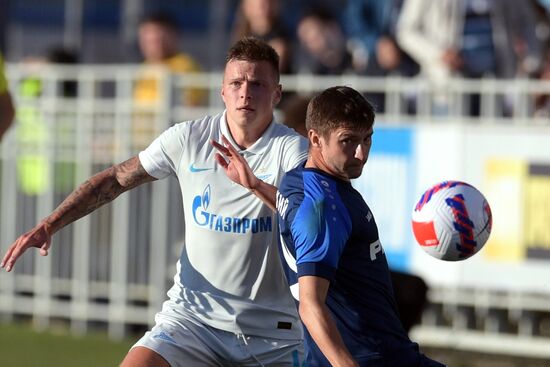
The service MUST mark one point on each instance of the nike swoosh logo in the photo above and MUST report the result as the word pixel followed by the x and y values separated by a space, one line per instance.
pixel 194 169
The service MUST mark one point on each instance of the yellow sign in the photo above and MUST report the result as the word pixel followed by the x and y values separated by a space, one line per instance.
pixel 537 212
pixel 505 182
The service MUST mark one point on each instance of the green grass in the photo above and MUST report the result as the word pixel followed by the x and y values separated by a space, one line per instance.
pixel 21 346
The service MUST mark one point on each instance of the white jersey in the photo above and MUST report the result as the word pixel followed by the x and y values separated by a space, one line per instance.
pixel 229 274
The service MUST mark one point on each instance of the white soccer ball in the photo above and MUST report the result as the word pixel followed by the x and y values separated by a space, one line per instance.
pixel 452 221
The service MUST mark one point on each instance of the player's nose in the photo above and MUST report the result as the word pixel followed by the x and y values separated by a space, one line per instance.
pixel 245 91
pixel 360 152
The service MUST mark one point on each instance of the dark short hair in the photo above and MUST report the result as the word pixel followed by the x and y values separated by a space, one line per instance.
pixel 62 55
pixel 254 49
pixel 338 107
pixel 324 15
pixel 162 19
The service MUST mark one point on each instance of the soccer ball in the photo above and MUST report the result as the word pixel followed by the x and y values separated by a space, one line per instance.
pixel 452 221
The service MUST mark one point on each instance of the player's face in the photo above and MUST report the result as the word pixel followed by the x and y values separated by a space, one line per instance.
pixel 345 151
pixel 250 92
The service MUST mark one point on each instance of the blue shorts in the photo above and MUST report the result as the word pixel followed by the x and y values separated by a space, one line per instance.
pixel 370 353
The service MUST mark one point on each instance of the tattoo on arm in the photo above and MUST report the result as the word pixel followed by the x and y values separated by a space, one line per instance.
pixel 98 190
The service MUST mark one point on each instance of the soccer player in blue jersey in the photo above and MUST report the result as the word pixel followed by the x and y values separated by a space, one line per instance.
pixel 230 304
pixel 331 244
pixel 336 263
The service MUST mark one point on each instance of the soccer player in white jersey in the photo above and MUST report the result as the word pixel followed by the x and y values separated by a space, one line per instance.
pixel 230 303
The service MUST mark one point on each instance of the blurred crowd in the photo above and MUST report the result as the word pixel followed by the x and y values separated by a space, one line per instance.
pixel 437 40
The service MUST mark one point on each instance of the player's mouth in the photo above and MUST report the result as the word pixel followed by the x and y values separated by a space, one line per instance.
pixel 245 109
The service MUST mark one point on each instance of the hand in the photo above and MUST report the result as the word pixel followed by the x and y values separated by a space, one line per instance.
pixel 388 53
pixel 452 59
pixel 39 237
pixel 235 166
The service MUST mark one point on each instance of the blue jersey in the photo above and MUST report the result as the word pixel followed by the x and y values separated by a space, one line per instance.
pixel 329 231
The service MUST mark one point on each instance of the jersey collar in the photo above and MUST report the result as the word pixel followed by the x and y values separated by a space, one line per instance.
pixel 258 147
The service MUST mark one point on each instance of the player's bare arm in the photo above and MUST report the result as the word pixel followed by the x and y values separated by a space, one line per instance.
pixel 238 171
pixel 98 190
pixel 318 321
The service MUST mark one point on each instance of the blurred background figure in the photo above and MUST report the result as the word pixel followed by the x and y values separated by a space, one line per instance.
pixel 294 113
pixel 33 132
pixel 322 44
pixel 158 37
pixel 542 100
pixel 7 110
pixel 542 25
pixel 370 26
pixel 470 38
pixel 262 19
pixel 542 31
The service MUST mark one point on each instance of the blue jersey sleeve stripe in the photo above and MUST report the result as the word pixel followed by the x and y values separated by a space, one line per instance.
pixel 316 269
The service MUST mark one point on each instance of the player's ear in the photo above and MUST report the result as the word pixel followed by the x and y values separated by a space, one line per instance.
pixel 314 138
pixel 277 95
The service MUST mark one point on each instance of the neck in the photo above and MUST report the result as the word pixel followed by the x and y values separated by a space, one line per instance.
pixel 317 162
pixel 245 136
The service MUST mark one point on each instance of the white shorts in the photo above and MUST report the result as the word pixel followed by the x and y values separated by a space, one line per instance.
pixel 190 343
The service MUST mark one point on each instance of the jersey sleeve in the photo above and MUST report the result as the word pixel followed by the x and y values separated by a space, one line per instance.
pixel 161 158
pixel 295 152
pixel 320 229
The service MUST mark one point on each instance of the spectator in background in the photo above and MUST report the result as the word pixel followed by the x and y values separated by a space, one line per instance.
pixel 158 36
pixel 542 100
pixel 370 26
pixel 7 111
pixel 294 113
pixel 542 25
pixel 262 19
pixel 470 38
pixel 34 135
pixel 542 30
pixel 323 44
pixel 159 42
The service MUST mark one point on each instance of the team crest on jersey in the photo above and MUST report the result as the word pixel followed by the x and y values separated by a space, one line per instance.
pixel 262 174
pixel 206 218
